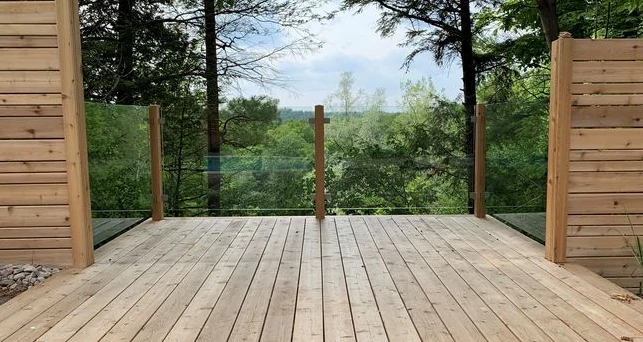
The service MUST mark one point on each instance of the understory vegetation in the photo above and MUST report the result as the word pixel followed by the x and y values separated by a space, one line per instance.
pixel 230 155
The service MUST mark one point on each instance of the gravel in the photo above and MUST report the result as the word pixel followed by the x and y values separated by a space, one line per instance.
pixel 16 278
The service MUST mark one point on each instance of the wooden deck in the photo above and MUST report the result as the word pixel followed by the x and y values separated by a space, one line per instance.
pixel 400 278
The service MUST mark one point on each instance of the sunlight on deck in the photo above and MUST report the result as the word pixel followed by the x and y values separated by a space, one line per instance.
pixel 365 278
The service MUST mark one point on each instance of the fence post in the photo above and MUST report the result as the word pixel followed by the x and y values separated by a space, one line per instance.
pixel 155 161
pixel 320 203
pixel 560 107
pixel 479 207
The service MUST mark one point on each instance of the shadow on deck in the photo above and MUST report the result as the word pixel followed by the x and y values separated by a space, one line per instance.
pixel 366 278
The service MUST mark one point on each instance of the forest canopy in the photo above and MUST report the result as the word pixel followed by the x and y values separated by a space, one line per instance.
pixel 226 154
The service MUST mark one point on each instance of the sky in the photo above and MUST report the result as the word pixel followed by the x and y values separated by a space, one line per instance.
pixel 352 44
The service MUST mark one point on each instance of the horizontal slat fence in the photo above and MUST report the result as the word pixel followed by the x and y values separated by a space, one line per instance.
pixel 595 181
pixel 36 124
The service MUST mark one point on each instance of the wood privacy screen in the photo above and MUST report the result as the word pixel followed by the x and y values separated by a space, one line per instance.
pixel 44 198
pixel 595 180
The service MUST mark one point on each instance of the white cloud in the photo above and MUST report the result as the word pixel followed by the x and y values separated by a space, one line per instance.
pixel 352 44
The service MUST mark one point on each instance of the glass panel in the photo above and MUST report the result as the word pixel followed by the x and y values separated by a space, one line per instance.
pixel 397 160
pixel 265 166
pixel 517 157
pixel 119 160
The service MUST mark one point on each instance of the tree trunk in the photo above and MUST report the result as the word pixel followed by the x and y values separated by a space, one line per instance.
pixel 212 108
pixel 124 26
pixel 469 87
pixel 548 19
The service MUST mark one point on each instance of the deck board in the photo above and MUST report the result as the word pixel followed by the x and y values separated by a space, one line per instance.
pixel 356 278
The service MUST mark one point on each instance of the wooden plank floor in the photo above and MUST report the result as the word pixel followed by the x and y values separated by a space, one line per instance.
pixel 357 278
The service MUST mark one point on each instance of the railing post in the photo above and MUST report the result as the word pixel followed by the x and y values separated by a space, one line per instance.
pixel 560 107
pixel 320 203
pixel 479 207
pixel 155 161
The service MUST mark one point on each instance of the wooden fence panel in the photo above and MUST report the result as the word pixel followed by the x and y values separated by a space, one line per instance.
pixel 43 177
pixel 604 183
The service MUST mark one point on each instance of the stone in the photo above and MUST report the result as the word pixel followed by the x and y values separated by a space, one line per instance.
pixel 40 279
pixel 6 272
pixel 17 270
pixel 19 276
pixel 29 268
pixel 6 283
pixel 13 287
pixel 46 275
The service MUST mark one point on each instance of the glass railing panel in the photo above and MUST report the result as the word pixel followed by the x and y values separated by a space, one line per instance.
pixel 119 160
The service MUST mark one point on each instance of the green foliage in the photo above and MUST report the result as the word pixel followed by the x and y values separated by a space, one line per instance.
pixel 244 122
pixel 397 163
pixel 274 178
pixel 118 151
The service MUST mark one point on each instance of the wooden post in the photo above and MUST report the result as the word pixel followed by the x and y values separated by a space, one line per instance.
pixel 320 203
pixel 73 107
pixel 479 207
pixel 558 156
pixel 155 161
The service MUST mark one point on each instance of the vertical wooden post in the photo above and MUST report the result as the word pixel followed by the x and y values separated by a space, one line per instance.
pixel 479 207
pixel 155 161
pixel 558 155
pixel 320 203
pixel 73 107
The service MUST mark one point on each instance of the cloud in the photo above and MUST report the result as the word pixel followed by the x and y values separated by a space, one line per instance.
pixel 352 44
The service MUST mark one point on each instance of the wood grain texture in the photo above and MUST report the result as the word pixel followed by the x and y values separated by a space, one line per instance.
pixel 33 194
pixel 596 230
pixel 606 155
pixel 28 29
pixel 36 82
pixel 600 246
pixel 31 128
pixel 605 203
pixel 32 167
pixel 34 232
pixel 25 59
pixel 607 116
pixel 73 105
pixel 607 138
pixel 606 166
pixel 33 110
pixel 34 216
pixel 607 100
pixel 27 12
pixel 607 71
pixel 610 266
pixel 614 219
pixel 30 99
pixel 607 49
pixel 56 257
pixel 162 281
pixel 35 243
pixel 22 41
pixel 33 178
pixel 558 149
pixel 607 88
pixel 597 182
pixel 32 150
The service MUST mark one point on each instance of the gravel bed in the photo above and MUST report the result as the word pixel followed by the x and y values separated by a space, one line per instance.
pixel 17 278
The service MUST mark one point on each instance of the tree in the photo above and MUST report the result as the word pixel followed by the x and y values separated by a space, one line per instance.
pixel 443 27
pixel 344 97
pixel 230 56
